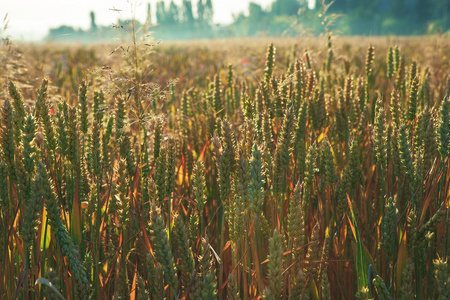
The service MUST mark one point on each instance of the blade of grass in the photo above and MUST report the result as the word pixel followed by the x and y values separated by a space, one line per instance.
pixel 47 283
pixel 361 262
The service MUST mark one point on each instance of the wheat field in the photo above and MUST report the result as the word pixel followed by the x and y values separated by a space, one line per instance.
pixel 289 168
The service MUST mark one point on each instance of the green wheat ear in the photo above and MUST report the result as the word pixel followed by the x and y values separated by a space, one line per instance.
pixel 369 63
pixel 242 199
pixel 407 290
pixel 325 285
pixel 99 101
pixel 83 107
pixel 327 167
pixel 181 246
pixel 308 59
pixel 270 63
pixel 330 53
pixel 394 107
pixel 33 206
pixel 405 153
pixel 154 275
pixel 309 198
pixel 275 267
pixel 400 76
pixel 299 136
pixel 269 144
pixel 142 292
pixel 443 130
pixel 95 151
pixel 321 109
pixel 412 104
pixel 162 249
pixel 4 194
pixel 300 286
pixel 390 228
pixel 33 203
pixel 432 223
pixel 127 153
pixel 390 62
pixel 348 91
pixel 441 277
pixel 299 74
pixel 199 186
pixel 227 161
pixel 313 255
pixel 412 72
pixel 7 139
pixel 428 132
pixel 296 223
pixel 217 100
pixel 396 58
pixel 425 89
pixel 341 122
pixel 283 152
pixel 362 92
pixel 41 99
pixel 171 166
pixel 107 155
pixel 257 181
pixel 44 118
pixel 380 139
pixel 19 111
pixel 380 288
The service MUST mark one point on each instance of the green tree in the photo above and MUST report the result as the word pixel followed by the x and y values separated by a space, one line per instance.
pixel 257 17
pixel 172 15
pixel 161 12
pixel 93 24
pixel 255 12
pixel 201 12
pixel 341 6
pixel 188 16
pixel 285 7
pixel 61 30
pixel 398 8
pixel 209 12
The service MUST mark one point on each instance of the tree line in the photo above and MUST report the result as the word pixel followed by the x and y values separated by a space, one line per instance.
pixel 172 21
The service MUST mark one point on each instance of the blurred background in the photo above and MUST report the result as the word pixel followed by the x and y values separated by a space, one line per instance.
pixel 93 21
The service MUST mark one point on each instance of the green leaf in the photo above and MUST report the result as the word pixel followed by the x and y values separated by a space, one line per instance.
pixel 361 258
pixel 75 219
pixel 46 236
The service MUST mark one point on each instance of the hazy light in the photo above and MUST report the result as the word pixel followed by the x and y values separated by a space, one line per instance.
pixel 31 19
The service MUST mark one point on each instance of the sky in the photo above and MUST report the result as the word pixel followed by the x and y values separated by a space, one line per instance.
pixel 31 19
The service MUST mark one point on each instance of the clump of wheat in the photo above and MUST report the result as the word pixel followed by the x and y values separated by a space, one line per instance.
pixel 138 188
pixel 163 252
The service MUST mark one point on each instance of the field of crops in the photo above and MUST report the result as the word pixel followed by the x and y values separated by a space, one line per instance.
pixel 312 168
